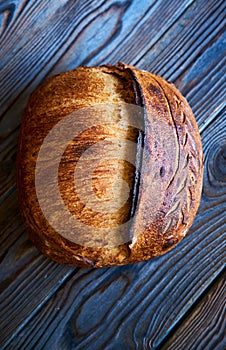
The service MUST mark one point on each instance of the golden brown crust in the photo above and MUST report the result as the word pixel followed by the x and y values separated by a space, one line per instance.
pixel 171 173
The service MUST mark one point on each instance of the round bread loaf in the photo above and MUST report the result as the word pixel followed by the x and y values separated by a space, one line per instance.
pixel 110 166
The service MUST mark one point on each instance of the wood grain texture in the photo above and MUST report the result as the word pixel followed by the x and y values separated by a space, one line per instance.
pixel 159 292
pixel 11 114
pixel 48 306
pixel 194 41
pixel 205 327
pixel 27 279
pixel 74 318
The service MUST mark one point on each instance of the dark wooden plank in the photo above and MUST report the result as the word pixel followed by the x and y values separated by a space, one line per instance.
pixel 205 327
pixel 129 308
pixel 192 55
pixel 22 17
pixel 202 68
pixel 83 23
pixel 36 27
pixel 141 25
pixel 140 303
pixel 187 38
pixel 27 279
pixel 26 58
pixel 62 23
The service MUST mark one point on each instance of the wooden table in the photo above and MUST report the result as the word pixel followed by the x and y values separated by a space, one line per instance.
pixel 176 301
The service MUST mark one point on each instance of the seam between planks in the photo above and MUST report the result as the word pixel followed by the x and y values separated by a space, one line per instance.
pixel 71 43
pixel 175 326
pixel 163 33
pixel 40 306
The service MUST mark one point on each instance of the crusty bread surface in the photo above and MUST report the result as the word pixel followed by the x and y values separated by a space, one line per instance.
pixel 141 200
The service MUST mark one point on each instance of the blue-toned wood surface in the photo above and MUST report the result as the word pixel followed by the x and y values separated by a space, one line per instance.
pixel 176 301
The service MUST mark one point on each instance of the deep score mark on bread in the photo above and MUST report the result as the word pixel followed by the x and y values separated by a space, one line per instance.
pixel 110 166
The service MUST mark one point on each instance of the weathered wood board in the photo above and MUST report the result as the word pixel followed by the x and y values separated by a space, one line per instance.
pixel 150 305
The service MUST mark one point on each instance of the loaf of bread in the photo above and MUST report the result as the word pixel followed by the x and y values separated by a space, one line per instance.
pixel 110 166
